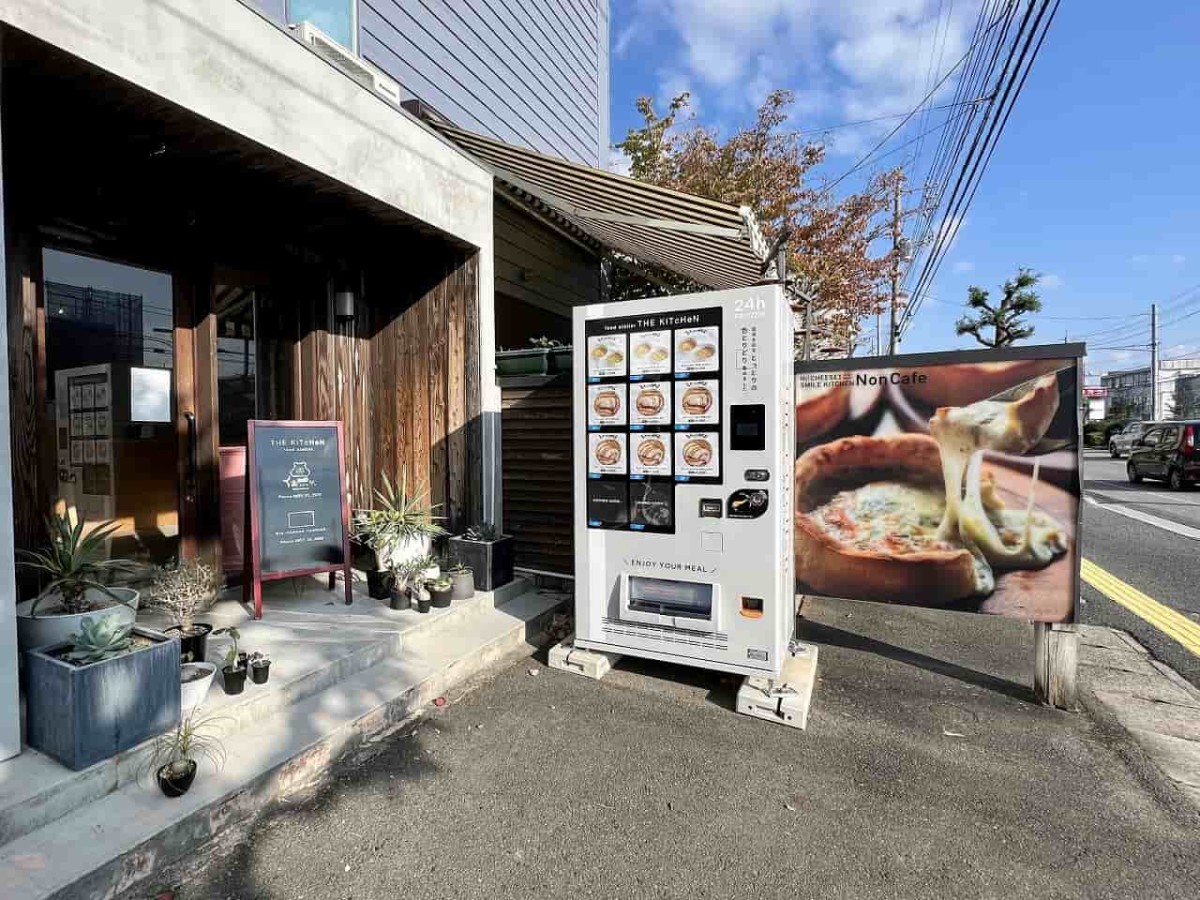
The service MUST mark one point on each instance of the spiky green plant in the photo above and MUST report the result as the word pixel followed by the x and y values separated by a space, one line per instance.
pixel 76 562
pixel 98 640
pixel 396 516
pixel 231 655
pixel 194 739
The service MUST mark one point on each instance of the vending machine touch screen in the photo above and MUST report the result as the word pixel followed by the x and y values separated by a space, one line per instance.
pixel 683 469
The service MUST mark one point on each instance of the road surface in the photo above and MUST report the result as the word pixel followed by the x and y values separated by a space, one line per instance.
pixel 1148 537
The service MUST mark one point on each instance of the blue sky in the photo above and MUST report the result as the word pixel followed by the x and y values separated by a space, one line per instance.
pixel 1093 183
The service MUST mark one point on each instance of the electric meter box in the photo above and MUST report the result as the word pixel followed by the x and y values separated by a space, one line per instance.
pixel 683 479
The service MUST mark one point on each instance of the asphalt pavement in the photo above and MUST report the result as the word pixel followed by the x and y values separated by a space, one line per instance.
pixel 927 770
pixel 1149 537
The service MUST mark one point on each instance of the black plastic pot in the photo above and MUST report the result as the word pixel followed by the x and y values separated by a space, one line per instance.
pixel 176 785
pixel 193 644
pixel 462 585
pixel 423 604
pixel 260 672
pixel 234 680
pixel 379 584
pixel 399 598
pixel 440 597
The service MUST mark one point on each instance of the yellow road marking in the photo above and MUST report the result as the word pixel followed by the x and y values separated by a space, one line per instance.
pixel 1165 619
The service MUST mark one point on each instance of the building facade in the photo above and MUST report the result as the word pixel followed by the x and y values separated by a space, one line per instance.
pixel 1131 391
pixel 534 73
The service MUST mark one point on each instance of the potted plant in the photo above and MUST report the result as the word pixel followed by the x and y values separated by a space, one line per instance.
pixel 560 354
pixel 440 591
pixel 463 581
pixel 183 591
pixel 108 688
pixel 233 673
pixel 79 573
pixel 488 553
pixel 420 595
pixel 195 678
pixel 400 527
pixel 260 667
pixel 175 756
pixel 523 361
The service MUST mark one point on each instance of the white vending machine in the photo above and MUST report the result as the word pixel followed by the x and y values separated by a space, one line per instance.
pixel 683 479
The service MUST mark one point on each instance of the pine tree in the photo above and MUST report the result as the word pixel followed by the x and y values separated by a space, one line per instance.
pixel 1005 320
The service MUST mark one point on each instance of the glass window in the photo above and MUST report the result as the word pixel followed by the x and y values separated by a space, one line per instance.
pixel 334 17
pixel 110 399
pixel 253 361
pixel 1170 437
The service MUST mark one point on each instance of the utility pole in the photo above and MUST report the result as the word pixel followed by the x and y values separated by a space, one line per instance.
pixel 1155 407
pixel 897 238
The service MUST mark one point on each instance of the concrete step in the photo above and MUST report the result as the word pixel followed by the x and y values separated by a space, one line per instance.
pixel 311 651
pixel 134 833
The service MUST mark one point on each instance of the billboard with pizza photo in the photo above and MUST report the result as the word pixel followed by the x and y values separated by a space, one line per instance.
pixel 948 480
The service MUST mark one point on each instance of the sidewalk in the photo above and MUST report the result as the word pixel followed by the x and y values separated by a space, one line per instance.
pixel 926 771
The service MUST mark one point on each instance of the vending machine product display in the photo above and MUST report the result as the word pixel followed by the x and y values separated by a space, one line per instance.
pixel 683 469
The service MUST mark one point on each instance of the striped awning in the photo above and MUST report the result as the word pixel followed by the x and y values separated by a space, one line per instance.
pixel 714 244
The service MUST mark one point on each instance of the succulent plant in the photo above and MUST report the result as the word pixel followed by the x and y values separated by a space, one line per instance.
pixel 485 532
pixel 97 640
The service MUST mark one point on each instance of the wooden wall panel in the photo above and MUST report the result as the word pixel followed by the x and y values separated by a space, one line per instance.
pixel 435 329
pixel 537 482
pixel 456 407
pixel 27 389
pixel 473 378
pixel 412 409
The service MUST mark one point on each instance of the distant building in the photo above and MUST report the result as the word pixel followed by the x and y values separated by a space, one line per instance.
pixel 1130 391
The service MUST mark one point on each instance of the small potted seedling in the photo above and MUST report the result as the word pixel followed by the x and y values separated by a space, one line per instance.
pixel 260 667
pixel 234 671
pixel 399 596
pixel 175 756
pixel 489 554
pixel 463 581
pixel 420 594
pixel 440 591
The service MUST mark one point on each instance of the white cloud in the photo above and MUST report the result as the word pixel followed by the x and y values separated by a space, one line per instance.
pixel 1158 259
pixel 1050 281
pixel 964 265
pixel 851 59
pixel 617 161
pixel 949 230
pixel 1121 355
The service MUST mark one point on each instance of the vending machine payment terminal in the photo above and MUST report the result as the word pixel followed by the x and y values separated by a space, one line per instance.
pixel 683 478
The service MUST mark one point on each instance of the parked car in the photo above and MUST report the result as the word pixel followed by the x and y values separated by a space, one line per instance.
pixel 1166 452
pixel 1121 442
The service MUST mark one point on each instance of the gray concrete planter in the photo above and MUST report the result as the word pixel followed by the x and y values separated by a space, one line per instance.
pixel 82 714
pixel 491 561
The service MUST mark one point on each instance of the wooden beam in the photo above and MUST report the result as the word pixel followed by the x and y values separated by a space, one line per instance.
pixel 1056 662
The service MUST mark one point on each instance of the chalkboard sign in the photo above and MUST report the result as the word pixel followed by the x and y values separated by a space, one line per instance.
pixel 298 513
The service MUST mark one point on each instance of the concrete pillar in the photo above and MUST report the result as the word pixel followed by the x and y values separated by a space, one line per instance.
pixel 10 710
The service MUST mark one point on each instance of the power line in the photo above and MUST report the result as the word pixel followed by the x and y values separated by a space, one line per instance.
pixel 864 159
pixel 1013 77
